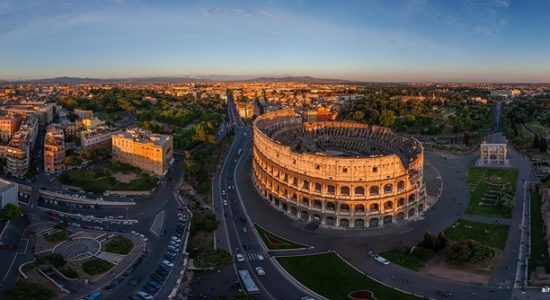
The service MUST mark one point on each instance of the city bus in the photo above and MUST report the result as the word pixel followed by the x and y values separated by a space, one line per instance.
pixel 248 283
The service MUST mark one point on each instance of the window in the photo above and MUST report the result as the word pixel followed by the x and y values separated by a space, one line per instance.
pixel 359 190
pixel 344 169
pixel 344 191
pixel 374 169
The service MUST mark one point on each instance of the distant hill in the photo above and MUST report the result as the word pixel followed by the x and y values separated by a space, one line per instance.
pixel 79 80
pixel 301 79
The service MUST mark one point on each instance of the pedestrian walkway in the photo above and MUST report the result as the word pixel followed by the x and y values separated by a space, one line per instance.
pixel 485 219
pixel 252 255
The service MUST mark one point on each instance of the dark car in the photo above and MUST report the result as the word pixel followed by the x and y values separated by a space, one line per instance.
pixel 135 280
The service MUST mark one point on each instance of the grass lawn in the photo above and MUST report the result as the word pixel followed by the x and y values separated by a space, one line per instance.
pixel 333 278
pixel 96 266
pixel 69 272
pixel 275 242
pixel 491 235
pixel 119 245
pixel 57 237
pixel 480 180
pixel 403 257
pixel 100 179
pixel 539 248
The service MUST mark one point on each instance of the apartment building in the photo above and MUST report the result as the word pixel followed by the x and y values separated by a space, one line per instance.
pixel 54 149
pixel 9 193
pixel 9 124
pixel 19 149
pixel 152 153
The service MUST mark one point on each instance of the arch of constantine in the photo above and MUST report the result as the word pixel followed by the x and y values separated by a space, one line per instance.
pixel 340 174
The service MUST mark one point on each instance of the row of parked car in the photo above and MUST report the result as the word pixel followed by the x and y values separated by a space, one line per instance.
pixel 156 280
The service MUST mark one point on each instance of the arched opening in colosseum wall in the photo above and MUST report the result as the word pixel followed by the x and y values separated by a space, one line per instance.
pixel 277 202
pixel 359 190
pixel 305 185
pixel 344 208
pixel 295 181
pixel 388 188
pixel 359 208
pixel 344 191
pixel 285 207
pixel 285 193
pixel 400 216
pixel 412 198
pixel 294 197
pixel 304 216
pixel 388 219
pixel 329 221
pixel 374 207
pixel 331 190
pixel 374 191
pixel 293 211
pixel 305 201
pixel 388 205
pixel 344 223
pixel 421 207
pixel 316 218
pixel 401 202
pixel 359 223
pixel 317 204
pixel 373 223
pixel 412 212
pixel 317 187
pixel 330 206
pixel 400 185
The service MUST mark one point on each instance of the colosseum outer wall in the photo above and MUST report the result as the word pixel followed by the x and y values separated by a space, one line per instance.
pixel 343 192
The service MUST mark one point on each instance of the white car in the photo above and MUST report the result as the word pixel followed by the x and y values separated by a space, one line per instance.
pixel 259 271
pixel 167 263
pixel 223 192
pixel 176 239
pixel 260 257
pixel 134 232
pixel 225 202
pixel 144 295
pixel 240 257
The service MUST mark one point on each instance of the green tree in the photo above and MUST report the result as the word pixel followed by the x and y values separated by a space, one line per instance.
pixel 358 115
pixel 209 258
pixel 72 160
pixel 543 145
pixel 11 212
pixel 387 118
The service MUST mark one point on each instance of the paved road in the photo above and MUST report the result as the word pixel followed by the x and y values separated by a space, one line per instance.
pixel 234 234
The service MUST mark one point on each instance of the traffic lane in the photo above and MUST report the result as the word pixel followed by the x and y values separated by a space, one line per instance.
pixel 273 280
pixel 157 247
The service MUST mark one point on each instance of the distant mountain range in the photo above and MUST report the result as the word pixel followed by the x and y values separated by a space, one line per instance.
pixel 80 80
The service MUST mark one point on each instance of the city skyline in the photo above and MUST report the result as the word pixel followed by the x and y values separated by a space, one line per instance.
pixel 414 40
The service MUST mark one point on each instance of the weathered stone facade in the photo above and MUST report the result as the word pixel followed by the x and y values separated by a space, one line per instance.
pixel 342 174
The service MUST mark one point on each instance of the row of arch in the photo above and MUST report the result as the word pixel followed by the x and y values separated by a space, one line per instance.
pixel 331 220
pixel 357 208
pixel 331 189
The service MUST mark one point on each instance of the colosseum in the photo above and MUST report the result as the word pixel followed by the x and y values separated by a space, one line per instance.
pixel 340 174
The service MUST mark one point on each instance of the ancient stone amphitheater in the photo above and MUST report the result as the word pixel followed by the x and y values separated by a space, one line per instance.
pixel 340 174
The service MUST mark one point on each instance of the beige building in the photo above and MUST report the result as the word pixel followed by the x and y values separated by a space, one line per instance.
pixel 247 110
pixel 8 126
pixel 54 149
pixel 340 174
pixel 19 150
pixel 153 153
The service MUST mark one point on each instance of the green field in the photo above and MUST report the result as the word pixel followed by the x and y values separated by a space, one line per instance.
pixel 275 242
pixel 96 266
pixel 539 248
pixel 119 245
pixel 491 235
pixel 485 181
pixel 331 277
pixel 403 257
pixel 100 179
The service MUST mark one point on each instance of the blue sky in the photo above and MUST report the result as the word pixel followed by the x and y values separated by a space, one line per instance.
pixel 374 40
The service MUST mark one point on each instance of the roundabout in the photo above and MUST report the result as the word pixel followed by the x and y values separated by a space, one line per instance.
pixel 78 249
